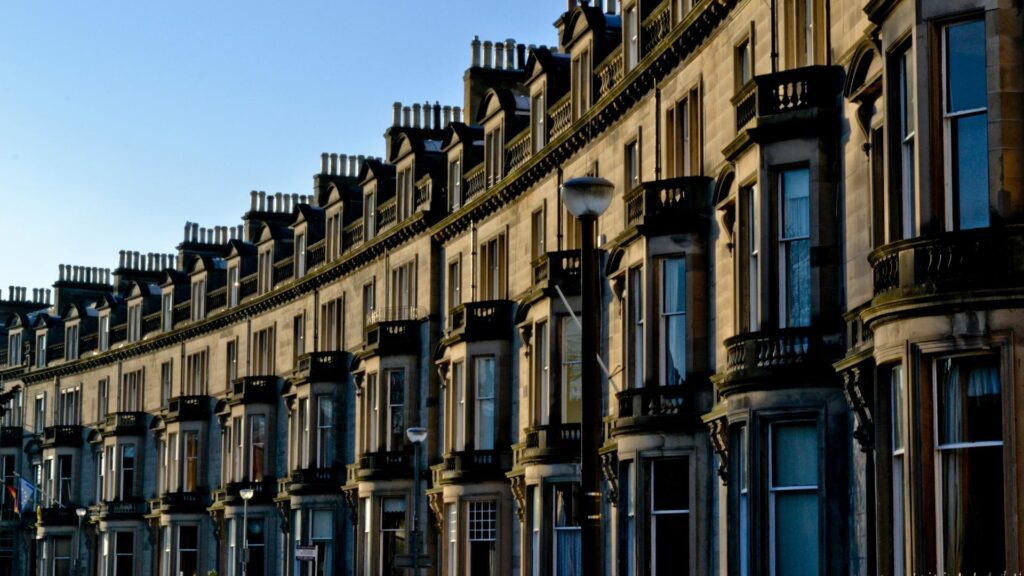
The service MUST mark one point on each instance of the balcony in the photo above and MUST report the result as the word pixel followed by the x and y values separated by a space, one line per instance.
pixel 11 436
pixel 788 357
pixel 518 150
pixel 323 366
pixel 560 269
pixel 254 390
pixel 263 492
pixel 473 466
pixel 393 331
pixel 57 516
pixel 182 502
pixel 655 409
pixel 124 424
pixel 352 234
pixel 672 206
pixel 474 182
pixel 549 444
pixel 790 104
pixel 476 321
pixel 947 269
pixel 316 254
pixel 187 409
pixel 381 466
pixel 246 287
pixel 67 436
pixel 314 481
pixel 122 509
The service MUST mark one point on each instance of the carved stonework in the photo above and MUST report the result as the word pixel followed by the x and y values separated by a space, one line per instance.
pixel 518 484
pixel 283 508
pixel 610 470
pixel 719 432
pixel 436 502
pixel 352 502
pixel 858 394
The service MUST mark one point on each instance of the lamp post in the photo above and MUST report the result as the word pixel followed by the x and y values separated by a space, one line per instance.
pixel 417 436
pixel 246 494
pixel 588 198
pixel 80 512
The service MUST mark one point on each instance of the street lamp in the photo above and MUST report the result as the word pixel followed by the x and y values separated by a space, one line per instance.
pixel 80 512
pixel 417 435
pixel 246 494
pixel 588 198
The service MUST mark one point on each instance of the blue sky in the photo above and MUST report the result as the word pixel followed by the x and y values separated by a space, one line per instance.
pixel 120 121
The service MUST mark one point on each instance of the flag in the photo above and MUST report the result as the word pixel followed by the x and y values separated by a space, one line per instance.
pixel 25 492
pixel 14 498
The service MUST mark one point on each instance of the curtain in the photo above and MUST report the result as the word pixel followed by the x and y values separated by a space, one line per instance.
pixel 954 485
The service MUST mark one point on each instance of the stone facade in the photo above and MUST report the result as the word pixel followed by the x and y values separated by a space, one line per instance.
pixel 810 278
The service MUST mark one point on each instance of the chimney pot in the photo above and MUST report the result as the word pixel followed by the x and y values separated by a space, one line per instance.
pixel 396 114
pixel 120 259
pixel 270 202
pixel 49 293
pixel 521 55
pixel 195 232
pixel 252 195
pixel 280 203
pixel 427 115
pixel 334 164
pixel 135 260
pixel 295 201
pixel 457 113
pixel 447 114
pixel 406 111
pixel 342 165
pixel 499 56
pixel 475 44
pixel 263 200
pixel 510 54
pixel 353 169
pixel 437 115
pixel 610 7
pixel 416 115
pixel 487 53
pixel 323 163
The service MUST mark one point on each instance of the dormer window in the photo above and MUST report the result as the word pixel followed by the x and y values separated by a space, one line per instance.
pixel 455 184
pixel 631 34
pixel 104 335
pixel 71 342
pixel 134 322
pixel 233 284
pixel 333 238
pixel 41 350
pixel 370 216
pixel 538 121
pixel 405 193
pixel 14 349
pixel 494 150
pixel 198 300
pixel 265 271
pixel 581 82
pixel 300 255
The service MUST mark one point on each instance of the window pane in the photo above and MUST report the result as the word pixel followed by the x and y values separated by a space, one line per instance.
pixel 965 61
pixel 798 283
pixel 671 544
pixel 898 395
pixel 970 144
pixel 796 533
pixel 671 480
pixel 572 383
pixel 972 511
pixel 795 455
pixel 674 283
pixel 795 213
pixel 970 400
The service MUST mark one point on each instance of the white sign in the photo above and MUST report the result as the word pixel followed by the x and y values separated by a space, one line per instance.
pixel 305 553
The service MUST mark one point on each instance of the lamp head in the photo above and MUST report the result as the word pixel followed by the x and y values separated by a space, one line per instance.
pixel 246 494
pixel 588 196
pixel 416 434
pixel 80 512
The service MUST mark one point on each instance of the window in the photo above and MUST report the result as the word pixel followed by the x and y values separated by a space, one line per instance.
pixel 969 463
pixel 298 336
pixel 403 291
pixel 302 424
pixel 131 392
pixel 455 184
pixel 493 269
pixel 41 350
pixel 61 555
pixel 70 405
pixel 965 124
pixel 263 352
pixel 483 535
pixel 197 368
pixel 231 360
pixel 631 31
pixel 40 412
pixel 188 550
pixel 535 499
pixel 370 216
pixel 683 124
pixel 190 446
pixel 537 235
pixel 673 320
pixel 14 349
pixel 71 342
pixel 804 32
pixel 324 438
pixel 635 328
pixel 265 270
pixel 898 403
pixel 7 476
pixel 794 247
pixel 167 311
pixel 103 398
pixel 632 164
pixel 903 111
pixel 403 193
pixel 104 330
pixel 453 538
pixel 396 409
pixel 454 283
pixel 567 539
pixel 743 463
pixel 542 374
pixel 198 302
pixel 485 403
pixel 123 562
pixel 372 413
pixel 494 154
pixel 571 375
pixel 744 64
pixel 670 516
pixel 749 262
pixel 256 539
pixel 257 447
pixel 369 304
pixel 393 539
pixel 65 474
pixel 233 286
pixel 166 380
pixel 14 407
pixel 459 383
pixel 300 255
pixel 581 82
pixel 101 464
pixel 332 329
pixel 793 507
pixel 126 482
pixel 538 114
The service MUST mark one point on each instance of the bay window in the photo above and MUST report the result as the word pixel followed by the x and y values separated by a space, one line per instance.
pixel 793 507
pixel 902 111
pixel 673 321
pixel 794 248
pixel 257 447
pixel 542 374
pixel 452 554
pixel 670 516
pixel 256 537
pixel 324 423
pixel 567 556
pixel 126 478
pixel 898 404
pixel 393 538
pixel 749 263
pixel 188 549
pixel 459 383
pixel 483 535
pixel 396 409
pixel 190 480
pixel 635 328
pixel 485 403
pixel 965 124
pixel 572 371
pixel 197 367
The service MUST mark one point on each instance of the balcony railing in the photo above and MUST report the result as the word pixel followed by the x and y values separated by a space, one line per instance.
pixel 770 357
pixel 561 268
pixel 655 27
pixel 151 323
pixel 383 466
pixel 65 435
pixel 118 333
pixel 392 336
pixel 263 492
pixel 967 261
pixel 387 214
pixel 746 105
pixel 181 501
pixel 518 150
pixel 474 466
pixel 610 73
pixel 125 424
pixel 797 89
pixel 561 115
pixel 284 270
pixel 654 408
pixel 474 182
pixel 182 313
pixel 122 509
pixel 675 204
pixel 487 320
pixel 313 481
pixel 57 516
pixel 550 443
pixel 324 366
pixel 254 390
pixel 352 234
pixel 248 285
pixel 316 254
pixel 188 409
pixel 217 299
